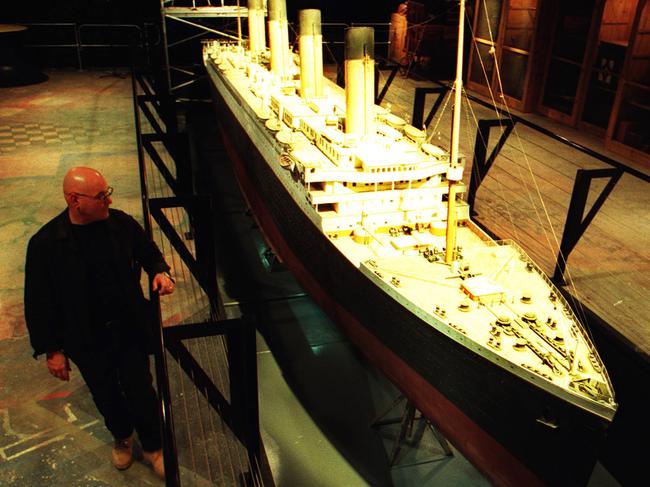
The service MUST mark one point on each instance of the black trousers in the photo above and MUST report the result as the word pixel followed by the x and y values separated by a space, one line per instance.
pixel 117 374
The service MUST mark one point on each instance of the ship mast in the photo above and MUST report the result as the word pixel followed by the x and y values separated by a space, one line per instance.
pixel 455 171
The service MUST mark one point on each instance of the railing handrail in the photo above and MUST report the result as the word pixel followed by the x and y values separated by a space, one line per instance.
pixel 77 30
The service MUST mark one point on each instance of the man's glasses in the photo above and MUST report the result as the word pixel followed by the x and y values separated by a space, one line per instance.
pixel 99 196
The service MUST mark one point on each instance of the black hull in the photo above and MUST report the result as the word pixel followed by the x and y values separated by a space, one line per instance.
pixel 499 421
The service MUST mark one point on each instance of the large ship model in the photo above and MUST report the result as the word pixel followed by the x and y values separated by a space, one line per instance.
pixel 367 215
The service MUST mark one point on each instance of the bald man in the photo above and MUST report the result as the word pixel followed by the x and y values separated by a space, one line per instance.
pixel 84 302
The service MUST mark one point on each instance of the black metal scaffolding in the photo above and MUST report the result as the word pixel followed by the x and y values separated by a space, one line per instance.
pixel 206 365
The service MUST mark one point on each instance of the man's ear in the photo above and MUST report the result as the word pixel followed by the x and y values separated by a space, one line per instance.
pixel 73 200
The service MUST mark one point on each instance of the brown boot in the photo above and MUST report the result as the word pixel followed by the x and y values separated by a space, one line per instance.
pixel 155 458
pixel 122 455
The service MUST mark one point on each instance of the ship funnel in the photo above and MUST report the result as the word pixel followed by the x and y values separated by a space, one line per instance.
pixel 310 43
pixel 360 80
pixel 279 38
pixel 256 28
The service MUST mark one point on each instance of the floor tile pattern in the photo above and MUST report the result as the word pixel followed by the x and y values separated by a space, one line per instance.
pixel 17 136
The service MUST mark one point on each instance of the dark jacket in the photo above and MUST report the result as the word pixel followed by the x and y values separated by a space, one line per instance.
pixel 55 275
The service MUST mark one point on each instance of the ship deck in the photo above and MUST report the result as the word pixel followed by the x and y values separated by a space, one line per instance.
pixel 526 198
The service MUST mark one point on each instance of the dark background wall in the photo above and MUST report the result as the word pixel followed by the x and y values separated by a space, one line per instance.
pixel 135 11
pixel 143 17
pixel 347 10
pixel 104 11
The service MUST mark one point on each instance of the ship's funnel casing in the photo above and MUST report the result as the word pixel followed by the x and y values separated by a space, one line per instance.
pixel 256 27
pixel 310 43
pixel 279 38
pixel 360 81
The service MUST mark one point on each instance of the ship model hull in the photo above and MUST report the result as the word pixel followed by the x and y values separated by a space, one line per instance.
pixel 513 431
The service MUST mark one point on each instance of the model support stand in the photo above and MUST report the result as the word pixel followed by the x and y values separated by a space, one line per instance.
pixel 406 434
pixel 271 261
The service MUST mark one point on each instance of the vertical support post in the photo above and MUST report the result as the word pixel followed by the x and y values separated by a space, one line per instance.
pixel 205 251
pixel 168 111
pixel 77 41
pixel 575 224
pixel 166 67
pixel 170 453
pixel 417 117
pixel 394 68
pixel 179 148
pixel 481 164
pixel 478 162
pixel 141 163
pixel 242 361
pixel 572 225
pixel 251 395
pixel 418 106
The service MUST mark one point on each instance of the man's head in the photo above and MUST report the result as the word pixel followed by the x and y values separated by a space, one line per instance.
pixel 87 195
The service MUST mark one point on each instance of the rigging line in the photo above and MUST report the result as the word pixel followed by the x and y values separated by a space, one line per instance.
pixel 507 109
pixel 501 193
pixel 602 215
pixel 538 193
pixel 427 21
pixel 509 115
pixel 492 97
pixel 400 83
pixel 496 274
pixel 488 83
pixel 325 43
pixel 295 37
pixel 372 235
pixel 439 117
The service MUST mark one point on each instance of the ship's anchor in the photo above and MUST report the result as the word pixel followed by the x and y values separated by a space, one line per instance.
pixel 407 435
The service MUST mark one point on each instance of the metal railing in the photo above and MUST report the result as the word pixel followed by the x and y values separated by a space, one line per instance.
pixel 83 38
pixel 237 405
